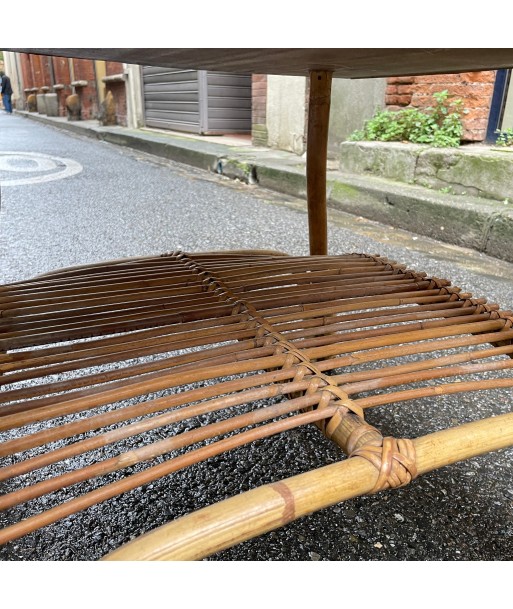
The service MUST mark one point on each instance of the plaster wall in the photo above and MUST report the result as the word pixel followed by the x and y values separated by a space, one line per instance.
pixel 134 96
pixel 286 113
pixel 353 102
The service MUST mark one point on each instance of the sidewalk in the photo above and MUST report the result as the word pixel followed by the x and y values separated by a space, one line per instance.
pixel 483 224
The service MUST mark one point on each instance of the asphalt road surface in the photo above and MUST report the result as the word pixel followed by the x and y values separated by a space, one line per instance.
pixel 68 200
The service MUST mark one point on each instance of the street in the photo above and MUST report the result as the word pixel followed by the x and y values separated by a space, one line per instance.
pixel 68 200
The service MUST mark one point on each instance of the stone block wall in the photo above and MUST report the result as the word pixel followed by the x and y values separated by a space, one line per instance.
pixel 469 171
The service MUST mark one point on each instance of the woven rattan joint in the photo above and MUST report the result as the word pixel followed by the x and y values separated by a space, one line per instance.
pixel 325 338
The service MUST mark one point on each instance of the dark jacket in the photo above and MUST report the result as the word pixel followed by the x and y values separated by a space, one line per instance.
pixel 6 85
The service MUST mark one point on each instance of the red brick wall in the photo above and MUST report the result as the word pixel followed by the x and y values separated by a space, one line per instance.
pixel 118 91
pixel 26 71
pixel 84 70
pixel 113 67
pixel 61 71
pixel 474 88
pixel 45 69
pixel 37 71
pixel 40 71
pixel 62 77
pixel 259 109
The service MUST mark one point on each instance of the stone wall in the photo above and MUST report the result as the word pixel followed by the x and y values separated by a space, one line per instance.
pixel 468 171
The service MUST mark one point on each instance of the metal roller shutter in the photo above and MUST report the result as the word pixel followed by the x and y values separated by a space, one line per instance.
pixel 171 99
pixel 197 101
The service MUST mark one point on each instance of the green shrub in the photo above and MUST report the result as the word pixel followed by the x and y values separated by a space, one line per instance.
pixel 504 138
pixel 439 125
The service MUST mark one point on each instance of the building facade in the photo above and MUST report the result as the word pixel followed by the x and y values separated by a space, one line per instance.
pixel 272 109
pixel 76 88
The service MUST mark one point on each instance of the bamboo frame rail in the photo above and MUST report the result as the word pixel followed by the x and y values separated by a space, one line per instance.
pixel 269 507
pixel 237 346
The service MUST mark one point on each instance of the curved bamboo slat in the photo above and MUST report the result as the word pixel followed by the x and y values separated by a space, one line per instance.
pixel 239 346
pixel 269 507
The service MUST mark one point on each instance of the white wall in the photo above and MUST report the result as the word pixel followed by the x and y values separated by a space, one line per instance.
pixel 286 112
pixel 134 96
pixel 352 103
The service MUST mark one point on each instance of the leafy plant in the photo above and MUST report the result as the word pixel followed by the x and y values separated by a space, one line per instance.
pixel 504 138
pixel 439 125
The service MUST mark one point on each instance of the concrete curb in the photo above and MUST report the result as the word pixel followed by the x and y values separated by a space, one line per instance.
pixel 481 224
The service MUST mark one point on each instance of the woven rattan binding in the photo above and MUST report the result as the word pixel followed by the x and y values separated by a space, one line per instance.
pixel 107 350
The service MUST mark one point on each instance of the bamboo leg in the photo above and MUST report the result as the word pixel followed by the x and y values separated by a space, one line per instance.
pixel 269 507
pixel 316 159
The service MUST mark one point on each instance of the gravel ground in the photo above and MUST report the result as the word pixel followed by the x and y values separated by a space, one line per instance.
pixel 124 204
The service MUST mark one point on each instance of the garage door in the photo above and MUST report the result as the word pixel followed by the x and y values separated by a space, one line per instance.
pixel 197 101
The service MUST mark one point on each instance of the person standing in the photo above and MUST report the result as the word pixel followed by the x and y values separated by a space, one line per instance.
pixel 6 92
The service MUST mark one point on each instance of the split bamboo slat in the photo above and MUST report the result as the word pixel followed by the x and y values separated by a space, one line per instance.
pixel 110 360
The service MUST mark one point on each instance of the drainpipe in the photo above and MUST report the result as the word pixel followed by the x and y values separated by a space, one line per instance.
pixel 500 89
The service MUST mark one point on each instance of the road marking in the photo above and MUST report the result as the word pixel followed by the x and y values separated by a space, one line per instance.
pixel 49 168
